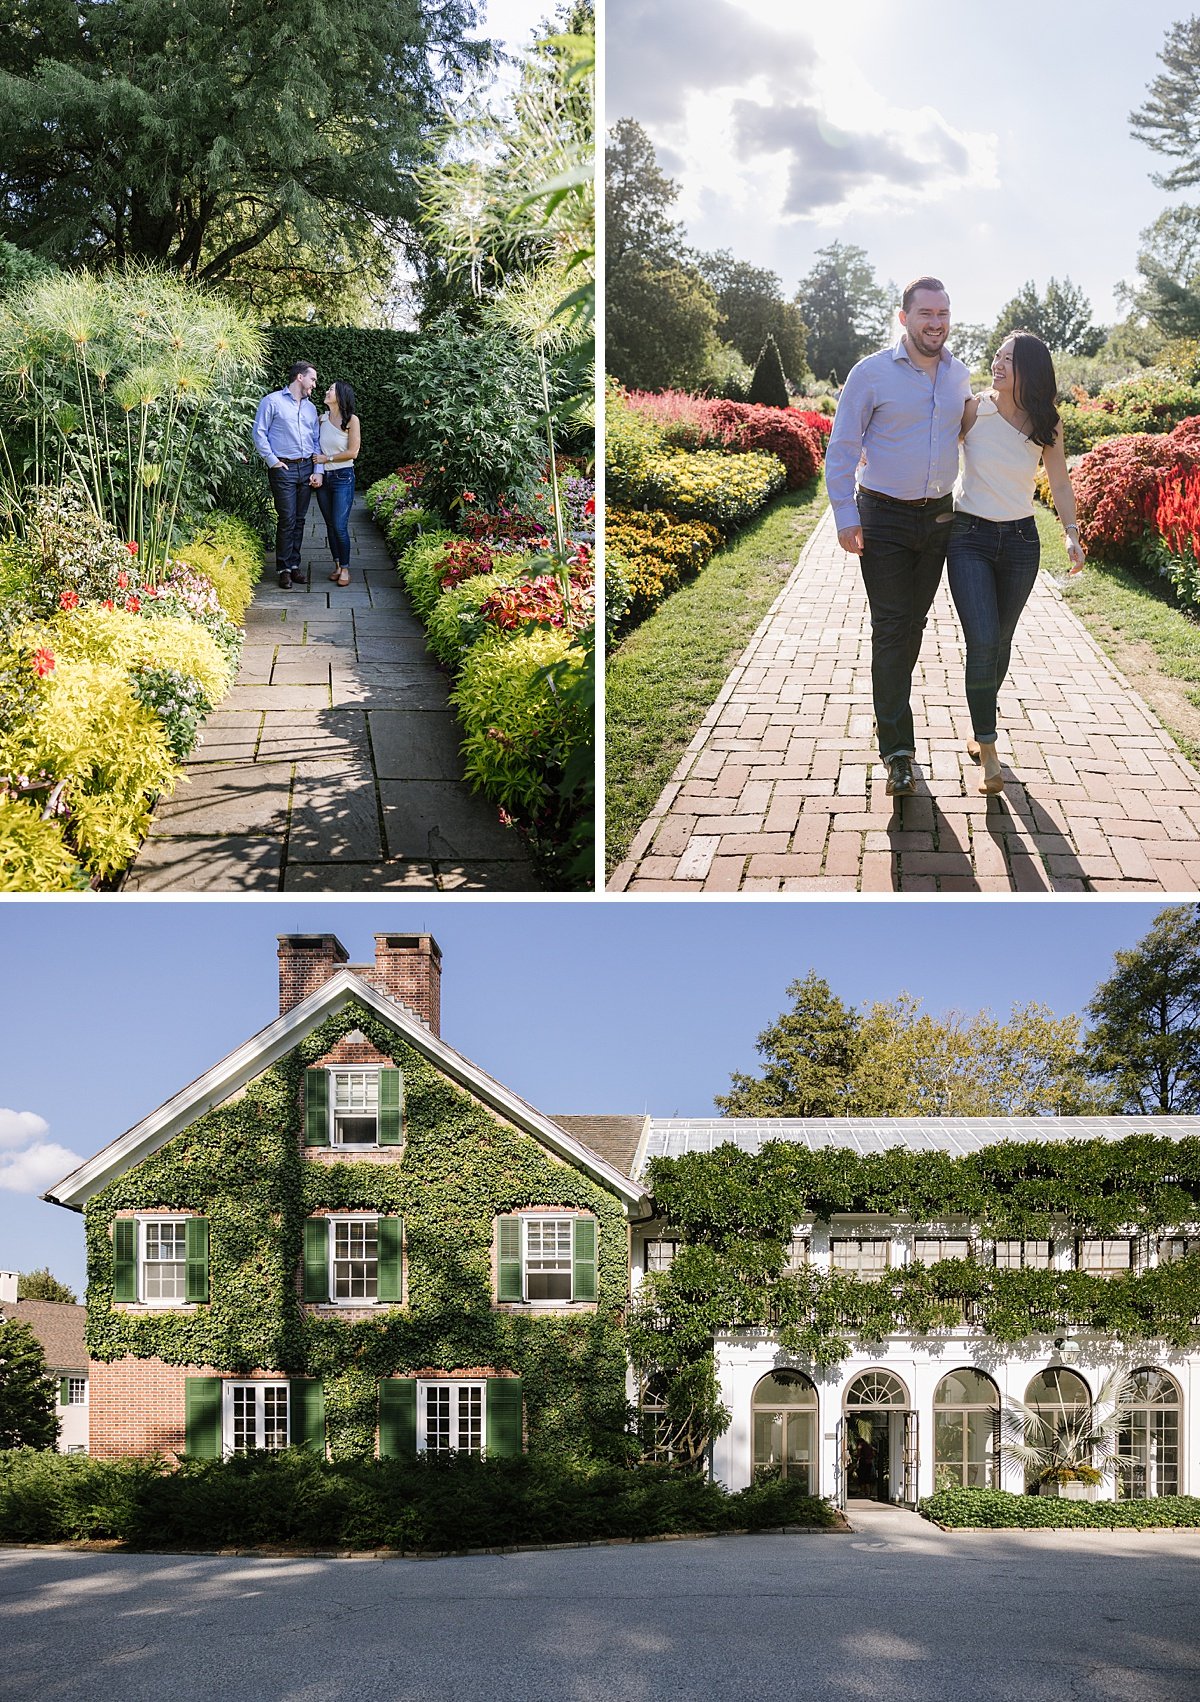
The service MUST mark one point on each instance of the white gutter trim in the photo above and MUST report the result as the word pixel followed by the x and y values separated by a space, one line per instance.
pixel 270 1044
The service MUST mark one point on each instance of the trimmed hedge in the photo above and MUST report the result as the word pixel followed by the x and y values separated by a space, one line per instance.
pixel 434 1503
pixel 997 1509
pixel 365 359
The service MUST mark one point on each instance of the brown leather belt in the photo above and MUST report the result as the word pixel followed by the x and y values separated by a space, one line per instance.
pixel 294 460
pixel 904 501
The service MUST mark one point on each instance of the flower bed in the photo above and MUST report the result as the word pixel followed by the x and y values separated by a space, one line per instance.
pixel 726 490
pixel 515 626
pixel 997 1509
pixel 658 552
pixel 104 680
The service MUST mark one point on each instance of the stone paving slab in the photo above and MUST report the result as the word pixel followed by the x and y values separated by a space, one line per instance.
pixel 781 789
pixel 338 723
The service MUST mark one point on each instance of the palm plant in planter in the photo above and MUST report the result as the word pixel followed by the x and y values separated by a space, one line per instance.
pixel 1067 1445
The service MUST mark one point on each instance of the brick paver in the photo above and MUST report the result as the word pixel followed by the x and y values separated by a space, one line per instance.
pixel 781 790
pixel 332 765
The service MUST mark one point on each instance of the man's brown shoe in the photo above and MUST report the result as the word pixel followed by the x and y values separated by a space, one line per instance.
pixel 900 781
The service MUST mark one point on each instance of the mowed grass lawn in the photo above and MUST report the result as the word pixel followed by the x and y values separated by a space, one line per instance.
pixel 660 680
pixel 1136 623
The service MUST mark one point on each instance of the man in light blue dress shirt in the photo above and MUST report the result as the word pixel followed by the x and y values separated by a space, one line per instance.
pixel 896 428
pixel 287 434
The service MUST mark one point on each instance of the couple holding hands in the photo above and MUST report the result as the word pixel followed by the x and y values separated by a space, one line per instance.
pixel 306 452
pixel 901 419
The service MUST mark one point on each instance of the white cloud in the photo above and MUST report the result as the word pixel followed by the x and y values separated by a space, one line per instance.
pixel 29 1163
pixel 19 1128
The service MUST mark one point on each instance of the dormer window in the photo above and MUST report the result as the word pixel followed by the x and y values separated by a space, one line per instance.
pixel 353 1106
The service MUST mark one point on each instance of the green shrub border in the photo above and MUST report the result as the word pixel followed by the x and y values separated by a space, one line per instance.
pixel 365 359
pixel 999 1509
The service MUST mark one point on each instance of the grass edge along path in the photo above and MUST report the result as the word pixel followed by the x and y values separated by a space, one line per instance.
pixel 1146 637
pixel 661 680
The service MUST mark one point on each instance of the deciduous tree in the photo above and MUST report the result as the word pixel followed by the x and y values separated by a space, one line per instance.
pixel 43 1285
pixel 1062 318
pixel 1144 1039
pixel 27 1408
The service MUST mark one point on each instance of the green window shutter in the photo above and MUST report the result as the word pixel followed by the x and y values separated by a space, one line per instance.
pixel 390 1233
pixel 503 1418
pixel 316 1260
pixel 64 1391
pixel 202 1417
pixel 306 1415
pixel 508 1264
pixel 398 1418
pixel 316 1108
pixel 584 1285
pixel 197 1259
pixel 391 1108
pixel 125 1259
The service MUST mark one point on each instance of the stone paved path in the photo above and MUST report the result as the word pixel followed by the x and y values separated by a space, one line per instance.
pixel 782 790
pixel 332 765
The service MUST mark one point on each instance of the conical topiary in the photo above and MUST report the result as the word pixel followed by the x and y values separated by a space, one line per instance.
pixel 768 385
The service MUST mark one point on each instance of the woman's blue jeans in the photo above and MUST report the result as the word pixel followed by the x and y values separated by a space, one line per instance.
pixel 992 566
pixel 334 497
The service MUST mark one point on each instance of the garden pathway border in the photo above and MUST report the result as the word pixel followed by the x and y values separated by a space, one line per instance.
pixel 333 764
pixel 781 789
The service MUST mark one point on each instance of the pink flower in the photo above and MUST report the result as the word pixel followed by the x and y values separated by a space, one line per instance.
pixel 43 663
pixel 468 496
pixel 68 600
pixel 122 581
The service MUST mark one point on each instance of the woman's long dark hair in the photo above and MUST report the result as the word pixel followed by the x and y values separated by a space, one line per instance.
pixel 346 403
pixel 1035 386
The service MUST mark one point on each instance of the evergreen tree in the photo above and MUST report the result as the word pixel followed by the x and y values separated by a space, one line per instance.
pixel 1144 1039
pixel 808 1057
pixel 194 134
pixel 846 311
pixel 27 1407
pixel 768 385
pixel 1169 123
pixel 1062 318
pixel 43 1285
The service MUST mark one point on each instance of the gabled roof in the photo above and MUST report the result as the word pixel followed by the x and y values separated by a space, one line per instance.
pixel 672 1137
pixel 58 1326
pixel 614 1137
pixel 270 1044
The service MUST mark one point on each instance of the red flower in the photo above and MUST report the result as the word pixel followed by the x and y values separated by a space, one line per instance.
pixel 122 581
pixel 133 605
pixel 132 548
pixel 468 496
pixel 589 506
pixel 43 663
pixel 107 603
pixel 68 600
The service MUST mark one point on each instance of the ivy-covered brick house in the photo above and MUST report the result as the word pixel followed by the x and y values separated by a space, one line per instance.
pixel 347 1237
pixel 868 1297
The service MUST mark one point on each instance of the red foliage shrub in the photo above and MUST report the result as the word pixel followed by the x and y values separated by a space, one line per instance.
pixel 1116 487
pixel 821 423
pixel 539 601
pixel 775 431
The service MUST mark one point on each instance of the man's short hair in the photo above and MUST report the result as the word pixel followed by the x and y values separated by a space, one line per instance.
pixel 910 290
pixel 299 366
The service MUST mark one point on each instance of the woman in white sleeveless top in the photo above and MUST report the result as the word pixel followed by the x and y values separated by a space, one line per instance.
pixel 992 561
pixel 341 440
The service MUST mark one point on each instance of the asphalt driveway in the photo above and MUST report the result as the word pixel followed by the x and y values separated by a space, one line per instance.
pixel 897 1610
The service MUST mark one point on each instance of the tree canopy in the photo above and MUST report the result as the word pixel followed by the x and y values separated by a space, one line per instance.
pixel 199 133
pixel 752 308
pixel 1062 318
pixel 44 1285
pixel 1169 122
pixel 846 310
pixel 27 1408
pixel 1144 1039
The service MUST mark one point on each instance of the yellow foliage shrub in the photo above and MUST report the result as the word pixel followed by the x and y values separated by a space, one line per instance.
pixel 657 551
pixel 34 856
pixel 96 634
pixel 230 556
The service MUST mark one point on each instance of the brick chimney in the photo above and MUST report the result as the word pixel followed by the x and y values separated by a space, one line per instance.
pixel 408 967
pixel 306 962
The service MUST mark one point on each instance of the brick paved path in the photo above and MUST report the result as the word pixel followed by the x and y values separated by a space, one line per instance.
pixel 782 790
pixel 333 765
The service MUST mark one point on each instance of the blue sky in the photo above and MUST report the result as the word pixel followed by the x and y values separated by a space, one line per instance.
pixel 988 145
pixel 108 1008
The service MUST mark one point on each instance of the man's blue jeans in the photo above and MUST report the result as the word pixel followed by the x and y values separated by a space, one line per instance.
pixel 334 498
pixel 992 568
pixel 291 490
pixel 904 551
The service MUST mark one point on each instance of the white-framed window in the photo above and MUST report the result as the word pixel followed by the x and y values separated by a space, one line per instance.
pixel 450 1417
pixel 354 1259
pixel 162 1259
pixel 1173 1247
pixel 76 1391
pixel 1014 1255
pixel 354 1107
pixel 796 1251
pixel 660 1254
pixel 255 1415
pixel 867 1257
pixel 1107 1258
pixel 548 1257
pixel 928 1249
pixel 77 1448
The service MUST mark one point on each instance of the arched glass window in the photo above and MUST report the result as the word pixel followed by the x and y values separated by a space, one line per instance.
pixel 1149 1436
pixel 784 1412
pixel 1062 1400
pixel 966 1431
pixel 876 1389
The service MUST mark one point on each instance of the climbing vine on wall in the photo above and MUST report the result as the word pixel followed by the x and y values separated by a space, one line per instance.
pixel 243 1167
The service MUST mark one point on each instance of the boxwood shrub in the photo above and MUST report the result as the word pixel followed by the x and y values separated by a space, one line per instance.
pixel 997 1509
